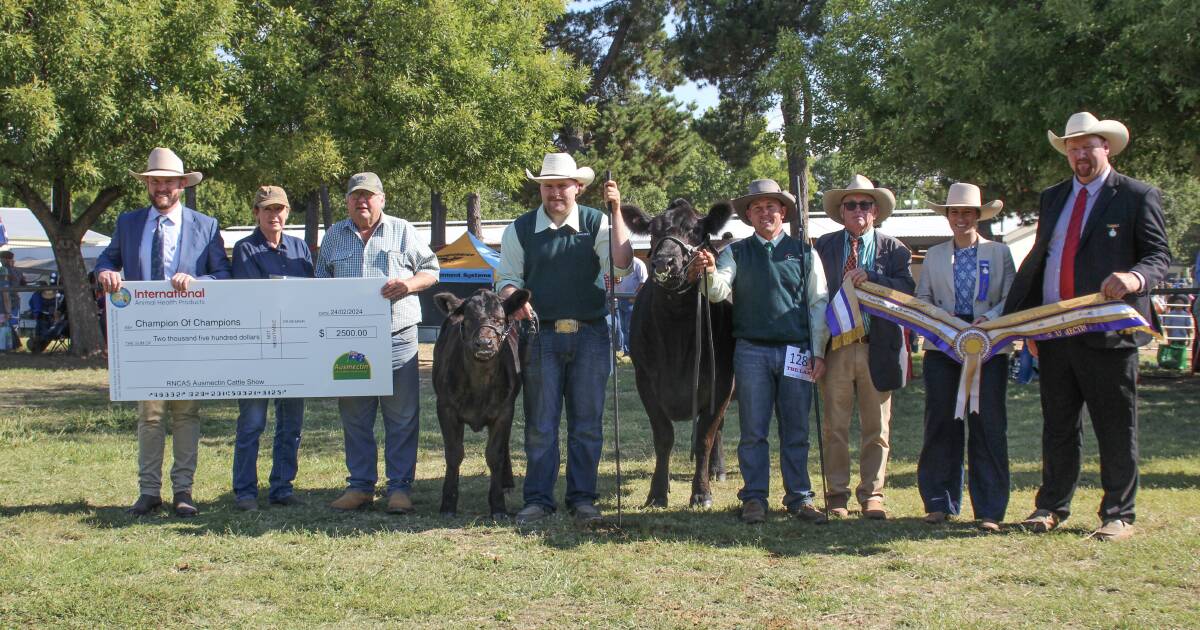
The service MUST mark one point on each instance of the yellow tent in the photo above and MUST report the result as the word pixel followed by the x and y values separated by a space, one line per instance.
pixel 468 260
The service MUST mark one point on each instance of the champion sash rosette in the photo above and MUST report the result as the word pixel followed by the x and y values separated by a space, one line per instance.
pixel 972 345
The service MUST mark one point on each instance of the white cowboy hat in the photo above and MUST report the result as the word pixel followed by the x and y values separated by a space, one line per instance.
pixel 885 201
pixel 764 188
pixel 164 163
pixel 964 195
pixel 562 166
pixel 1085 124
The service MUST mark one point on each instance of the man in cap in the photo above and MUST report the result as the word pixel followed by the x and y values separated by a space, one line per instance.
pixel 371 244
pixel 165 241
pixel 560 252
pixel 864 372
pixel 779 297
pixel 268 253
pixel 1099 231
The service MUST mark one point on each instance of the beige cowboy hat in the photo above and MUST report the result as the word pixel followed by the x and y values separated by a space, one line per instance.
pixel 885 201
pixel 964 195
pixel 764 188
pixel 164 163
pixel 562 166
pixel 1085 124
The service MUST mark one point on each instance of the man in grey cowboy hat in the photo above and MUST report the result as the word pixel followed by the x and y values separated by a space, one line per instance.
pixel 166 241
pixel 560 252
pixel 779 297
pixel 1099 231
pixel 864 373
pixel 371 244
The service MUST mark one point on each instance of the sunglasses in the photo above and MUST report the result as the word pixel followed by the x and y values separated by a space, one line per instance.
pixel 865 206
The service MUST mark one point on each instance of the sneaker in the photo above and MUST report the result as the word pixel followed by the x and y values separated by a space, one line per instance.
pixel 399 503
pixel 352 500
pixel 807 512
pixel 1041 521
pixel 532 513
pixel 1113 531
pixel 586 514
pixel 249 504
pixel 753 512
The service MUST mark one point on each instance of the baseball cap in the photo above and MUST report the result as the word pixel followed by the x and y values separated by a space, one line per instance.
pixel 365 181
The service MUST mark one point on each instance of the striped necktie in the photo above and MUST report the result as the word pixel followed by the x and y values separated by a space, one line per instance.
pixel 156 250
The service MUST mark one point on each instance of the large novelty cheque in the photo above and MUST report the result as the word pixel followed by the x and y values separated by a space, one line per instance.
pixel 969 344
pixel 287 338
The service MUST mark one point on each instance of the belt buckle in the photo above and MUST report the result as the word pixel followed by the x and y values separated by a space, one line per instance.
pixel 566 326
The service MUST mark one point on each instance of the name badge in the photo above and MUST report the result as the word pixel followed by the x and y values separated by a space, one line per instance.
pixel 797 363
pixel 985 274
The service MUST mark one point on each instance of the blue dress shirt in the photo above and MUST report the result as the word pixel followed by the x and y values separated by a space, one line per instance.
pixel 255 259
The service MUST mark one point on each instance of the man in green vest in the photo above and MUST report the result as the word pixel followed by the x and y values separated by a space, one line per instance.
pixel 779 296
pixel 560 252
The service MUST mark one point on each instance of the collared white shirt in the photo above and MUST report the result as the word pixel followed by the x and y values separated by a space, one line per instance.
pixel 512 254
pixel 170 233
pixel 720 287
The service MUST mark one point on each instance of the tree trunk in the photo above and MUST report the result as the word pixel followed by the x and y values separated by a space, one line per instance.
pixel 189 198
pixel 796 107
pixel 326 209
pixel 311 210
pixel 475 215
pixel 65 235
pixel 437 223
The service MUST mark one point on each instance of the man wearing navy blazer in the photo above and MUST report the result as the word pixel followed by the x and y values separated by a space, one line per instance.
pixel 165 241
pixel 1098 231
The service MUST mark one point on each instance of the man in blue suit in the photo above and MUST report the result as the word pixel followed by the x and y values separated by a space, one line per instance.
pixel 165 241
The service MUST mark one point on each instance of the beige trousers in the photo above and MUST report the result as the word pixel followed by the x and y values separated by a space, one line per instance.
pixel 848 379
pixel 185 442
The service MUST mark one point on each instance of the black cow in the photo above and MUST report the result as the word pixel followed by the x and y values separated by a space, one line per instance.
pixel 663 346
pixel 477 376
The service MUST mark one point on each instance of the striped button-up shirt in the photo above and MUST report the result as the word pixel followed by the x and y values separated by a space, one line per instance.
pixel 393 251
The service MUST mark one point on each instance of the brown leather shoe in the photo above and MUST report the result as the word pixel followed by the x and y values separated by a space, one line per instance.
pixel 1041 521
pixel 399 503
pixel 873 509
pixel 185 507
pixel 807 512
pixel 1113 531
pixel 352 500
pixel 145 504
pixel 988 526
pixel 839 512
pixel 934 518
pixel 753 512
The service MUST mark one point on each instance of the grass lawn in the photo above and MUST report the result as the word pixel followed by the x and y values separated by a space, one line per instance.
pixel 70 556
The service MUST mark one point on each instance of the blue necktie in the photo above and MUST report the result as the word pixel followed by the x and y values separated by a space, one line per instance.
pixel 156 251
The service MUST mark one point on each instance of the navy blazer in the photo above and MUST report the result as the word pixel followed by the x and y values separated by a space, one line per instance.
pixel 892 269
pixel 201 252
pixel 1124 232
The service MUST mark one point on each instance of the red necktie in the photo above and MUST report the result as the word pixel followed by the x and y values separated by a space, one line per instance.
pixel 852 259
pixel 1066 273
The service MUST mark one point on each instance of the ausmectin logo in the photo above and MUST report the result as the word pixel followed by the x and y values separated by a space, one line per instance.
pixel 120 299
pixel 352 366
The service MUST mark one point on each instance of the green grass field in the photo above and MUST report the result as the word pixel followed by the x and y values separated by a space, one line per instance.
pixel 70 556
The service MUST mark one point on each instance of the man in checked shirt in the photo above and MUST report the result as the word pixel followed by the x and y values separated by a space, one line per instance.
pixel 370 244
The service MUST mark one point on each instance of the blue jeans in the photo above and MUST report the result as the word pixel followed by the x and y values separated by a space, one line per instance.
pixel 940 467
pixel 401 419
pixel 252 419
pixel 625 313
pixel 763 390
pixel 575 367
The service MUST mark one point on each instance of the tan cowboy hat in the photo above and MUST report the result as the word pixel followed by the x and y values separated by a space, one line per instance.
pixel 964 195
pixel 1085 124
pixel 885 201
pixel 764 188
pixel 164 163
pixel 562 166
